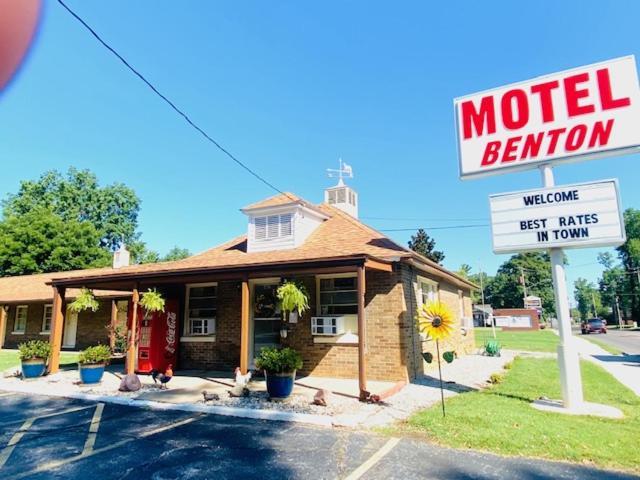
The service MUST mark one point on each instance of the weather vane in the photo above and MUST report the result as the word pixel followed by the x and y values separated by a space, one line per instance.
pixel 345 171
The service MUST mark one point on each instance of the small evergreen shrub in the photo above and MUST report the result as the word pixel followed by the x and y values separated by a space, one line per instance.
pixel 496 378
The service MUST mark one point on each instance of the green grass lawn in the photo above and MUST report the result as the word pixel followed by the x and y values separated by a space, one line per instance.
pixel 9 359
pixel 528 340
pixel 501 420
pixel 609 348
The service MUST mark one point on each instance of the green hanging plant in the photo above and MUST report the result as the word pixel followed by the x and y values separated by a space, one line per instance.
pixel 85 300
pixel 293 297
pixel 152 301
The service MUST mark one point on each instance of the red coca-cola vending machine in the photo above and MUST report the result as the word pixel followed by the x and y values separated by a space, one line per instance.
pixel 157 337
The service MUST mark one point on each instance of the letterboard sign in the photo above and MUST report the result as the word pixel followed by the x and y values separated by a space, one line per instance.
pixel 568 216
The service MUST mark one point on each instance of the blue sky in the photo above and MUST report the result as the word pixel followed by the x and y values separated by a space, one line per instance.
pixel 289 87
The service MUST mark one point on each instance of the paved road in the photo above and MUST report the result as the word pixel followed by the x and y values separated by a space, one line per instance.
pixel 43 438
pixel 627 341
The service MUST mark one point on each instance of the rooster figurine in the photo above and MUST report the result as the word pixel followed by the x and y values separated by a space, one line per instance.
pixel 163 378
pixel 240 389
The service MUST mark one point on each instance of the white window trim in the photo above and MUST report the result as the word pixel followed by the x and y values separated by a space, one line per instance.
pixel 15 319
pixel 348 338
pixel 187 336
pixel 331 275
pixel 44 316
pixel 428 281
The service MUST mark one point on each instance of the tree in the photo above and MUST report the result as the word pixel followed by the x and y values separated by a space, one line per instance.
pixel 423 244
pixel 629 253
pixel 40 241
pixel 77 196
pixel 482 280
pixel 588 298
pixel 506 290
pixel 464 271
pixel 176 253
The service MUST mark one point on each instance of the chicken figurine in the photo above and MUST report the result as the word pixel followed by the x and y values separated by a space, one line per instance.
pixel 163 378
pixel 240 388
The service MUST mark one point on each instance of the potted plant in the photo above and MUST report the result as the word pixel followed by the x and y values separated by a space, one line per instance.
pixel 152 301
pixel 279 365
pixel 85 300
pixel 33 356
pixel 294 299
pixel 91 363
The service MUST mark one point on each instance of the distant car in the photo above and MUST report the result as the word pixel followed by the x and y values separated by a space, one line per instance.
pixel 594 325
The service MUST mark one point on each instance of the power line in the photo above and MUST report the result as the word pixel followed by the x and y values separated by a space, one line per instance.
pixel 169 102
pixel 430 228
pixel 418 219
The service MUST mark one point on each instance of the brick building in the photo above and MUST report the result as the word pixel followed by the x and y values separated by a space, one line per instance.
pixel 364 293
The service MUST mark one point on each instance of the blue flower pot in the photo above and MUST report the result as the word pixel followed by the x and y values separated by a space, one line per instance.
pixel 91 373
pixel 280 385
pixel 33 368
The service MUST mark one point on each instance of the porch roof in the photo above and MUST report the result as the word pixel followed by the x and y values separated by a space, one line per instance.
pixel 36 288
pixel 341 240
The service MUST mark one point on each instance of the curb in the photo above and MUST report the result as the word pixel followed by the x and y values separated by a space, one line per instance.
pixel 272 415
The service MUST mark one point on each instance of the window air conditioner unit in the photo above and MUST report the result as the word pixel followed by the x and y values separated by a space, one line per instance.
pixel 327 326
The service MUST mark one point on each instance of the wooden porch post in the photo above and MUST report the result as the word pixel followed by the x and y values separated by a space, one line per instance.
pixel 114 320
pixel 244 328
pixel 362 335
pixel 131 351
pixel 3 324
pixel 57 320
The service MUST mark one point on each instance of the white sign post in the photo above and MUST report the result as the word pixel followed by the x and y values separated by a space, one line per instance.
pixel 579 114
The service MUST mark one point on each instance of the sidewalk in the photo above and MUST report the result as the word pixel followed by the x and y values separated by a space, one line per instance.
pixel 625 368
pixel 185 393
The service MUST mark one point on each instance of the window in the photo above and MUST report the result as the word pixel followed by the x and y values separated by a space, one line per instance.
pixel 202 303
pixel 20 322
pixel 428 291
pixel 338 296
pixel 273 226
pixel 332 197
pixel 46 319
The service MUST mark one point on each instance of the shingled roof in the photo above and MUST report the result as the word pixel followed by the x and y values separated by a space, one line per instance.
pixel 340 236
pixel 35 288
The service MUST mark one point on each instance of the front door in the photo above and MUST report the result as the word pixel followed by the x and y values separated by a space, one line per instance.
pixel 267 318
pixel 70 329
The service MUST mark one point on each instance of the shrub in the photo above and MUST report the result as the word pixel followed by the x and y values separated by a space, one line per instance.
pixel 496 378
pixel 34 349
pixel 97 354
pixel 276 360
pixel 508 365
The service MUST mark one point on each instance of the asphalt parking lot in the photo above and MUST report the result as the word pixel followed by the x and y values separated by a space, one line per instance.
pixel 46 438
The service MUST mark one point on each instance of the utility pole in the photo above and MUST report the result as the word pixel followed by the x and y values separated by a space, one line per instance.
pixel 568 360
pixel 524 286
pixel 493 327
pixel 593 300
pixel 618 312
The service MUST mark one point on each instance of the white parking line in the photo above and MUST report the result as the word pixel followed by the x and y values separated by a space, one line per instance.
pixel 373 459
pixel 93 429
pixel 8 450
pixel 58 463
pixel 47 415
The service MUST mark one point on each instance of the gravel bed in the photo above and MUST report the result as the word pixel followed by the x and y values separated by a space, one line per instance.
pixel 295 403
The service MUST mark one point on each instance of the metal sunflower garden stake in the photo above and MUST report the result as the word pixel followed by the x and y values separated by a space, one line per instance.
pixel 436 321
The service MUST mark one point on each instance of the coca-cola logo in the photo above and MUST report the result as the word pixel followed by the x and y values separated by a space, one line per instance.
pixel 171 333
